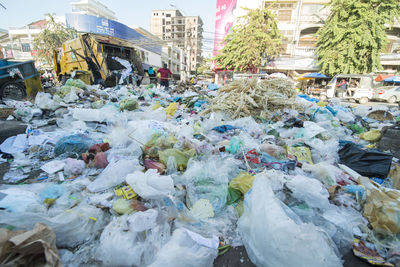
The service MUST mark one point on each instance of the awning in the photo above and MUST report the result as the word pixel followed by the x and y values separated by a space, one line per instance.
pixel 382 77
pixel 393 79
pixel 315 75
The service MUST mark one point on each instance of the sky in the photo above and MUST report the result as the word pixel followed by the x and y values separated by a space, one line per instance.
pixel 129 12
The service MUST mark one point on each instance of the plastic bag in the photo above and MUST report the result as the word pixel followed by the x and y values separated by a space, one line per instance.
pixel 76 83
pixel 19 200
pixel 77 143
pixel 53 166
pixel 74 166
pixel 170 110
pixel 209 180
pixel 234 145
pixel 14 144
pixel 143 220
pixel 311 129
pixel 181 157
pixel 273 150
pixel 150 164
pixel 310 191
pixel 119 246
pixel 202 209
pixel 371 136
pixel 52 192
pixel 122 206
pixel 326 173
pixel 370 163
pixel 150 185
pixel 44 101
pixel 382 208
pixel 302 153
pixel 183 251
pixel 243 182
pixel 114 174
pixel 128 104
pixel 233 196
pixel 289 240
pixel 85 114
pixel 72 227
pixel 71 97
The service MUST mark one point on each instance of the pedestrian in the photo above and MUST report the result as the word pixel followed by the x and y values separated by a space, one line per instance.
pixel 164 76
pixel 152 75
pixel 343 85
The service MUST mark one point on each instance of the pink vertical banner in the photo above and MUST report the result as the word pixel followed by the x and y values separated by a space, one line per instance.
pixel 224 21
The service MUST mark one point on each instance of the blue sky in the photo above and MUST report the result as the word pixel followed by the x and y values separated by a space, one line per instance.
pixel 129 12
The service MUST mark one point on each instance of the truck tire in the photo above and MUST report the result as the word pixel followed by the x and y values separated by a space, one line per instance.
pixel 392 99
pixel 13 90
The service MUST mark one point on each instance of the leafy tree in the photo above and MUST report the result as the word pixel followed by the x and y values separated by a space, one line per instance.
pixel 51 38
pixel 354 35
pixel 255 36
pixel 204 66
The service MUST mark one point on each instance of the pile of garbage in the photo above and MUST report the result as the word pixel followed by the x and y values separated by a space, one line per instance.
pixel 248 97
pixel 141 176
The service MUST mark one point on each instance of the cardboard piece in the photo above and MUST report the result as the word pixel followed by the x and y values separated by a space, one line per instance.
pixel 36 247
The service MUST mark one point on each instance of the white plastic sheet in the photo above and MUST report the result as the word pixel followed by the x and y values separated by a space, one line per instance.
pixel 273 238
pixel 114 174
pixel 151 185
pixel 183 251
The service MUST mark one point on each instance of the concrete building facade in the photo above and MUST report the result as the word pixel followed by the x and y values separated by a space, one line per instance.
pixel 172 55
pixel 17 42
pixel 185 32
pixel 299 21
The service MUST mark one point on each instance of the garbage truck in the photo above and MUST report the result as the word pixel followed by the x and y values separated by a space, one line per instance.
pixel 19 79
pixel 95 58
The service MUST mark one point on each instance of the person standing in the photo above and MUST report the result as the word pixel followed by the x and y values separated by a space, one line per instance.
pixel 152 75
pixel 165 73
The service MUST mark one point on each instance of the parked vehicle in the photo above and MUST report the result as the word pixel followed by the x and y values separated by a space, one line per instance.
pixel 390 94
pixel 90 57
pixel 358 87
pixel 18 79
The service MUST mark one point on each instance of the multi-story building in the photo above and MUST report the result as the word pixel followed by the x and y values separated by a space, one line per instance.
pixel 299 21
pixel 93 8
pixel 172 55
pixel 18 43
pixel 185 32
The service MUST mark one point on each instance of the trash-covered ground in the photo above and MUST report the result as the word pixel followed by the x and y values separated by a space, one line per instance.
pixel 142 176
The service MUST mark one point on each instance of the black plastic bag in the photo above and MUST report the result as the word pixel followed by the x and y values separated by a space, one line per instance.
pixel 369 163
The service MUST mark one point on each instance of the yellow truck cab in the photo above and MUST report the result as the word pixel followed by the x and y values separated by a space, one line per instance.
pixel 69 59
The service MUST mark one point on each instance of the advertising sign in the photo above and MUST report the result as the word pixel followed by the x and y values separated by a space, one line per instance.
pixel 223 22
pixel 103 26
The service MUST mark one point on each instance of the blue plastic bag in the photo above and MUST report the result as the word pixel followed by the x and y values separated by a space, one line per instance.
pixel 77 143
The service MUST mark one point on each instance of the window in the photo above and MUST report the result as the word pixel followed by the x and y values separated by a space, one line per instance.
pixel 168 15
pixel 163 14
pixel 311 9
pixel 284 15
pixel 25 47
